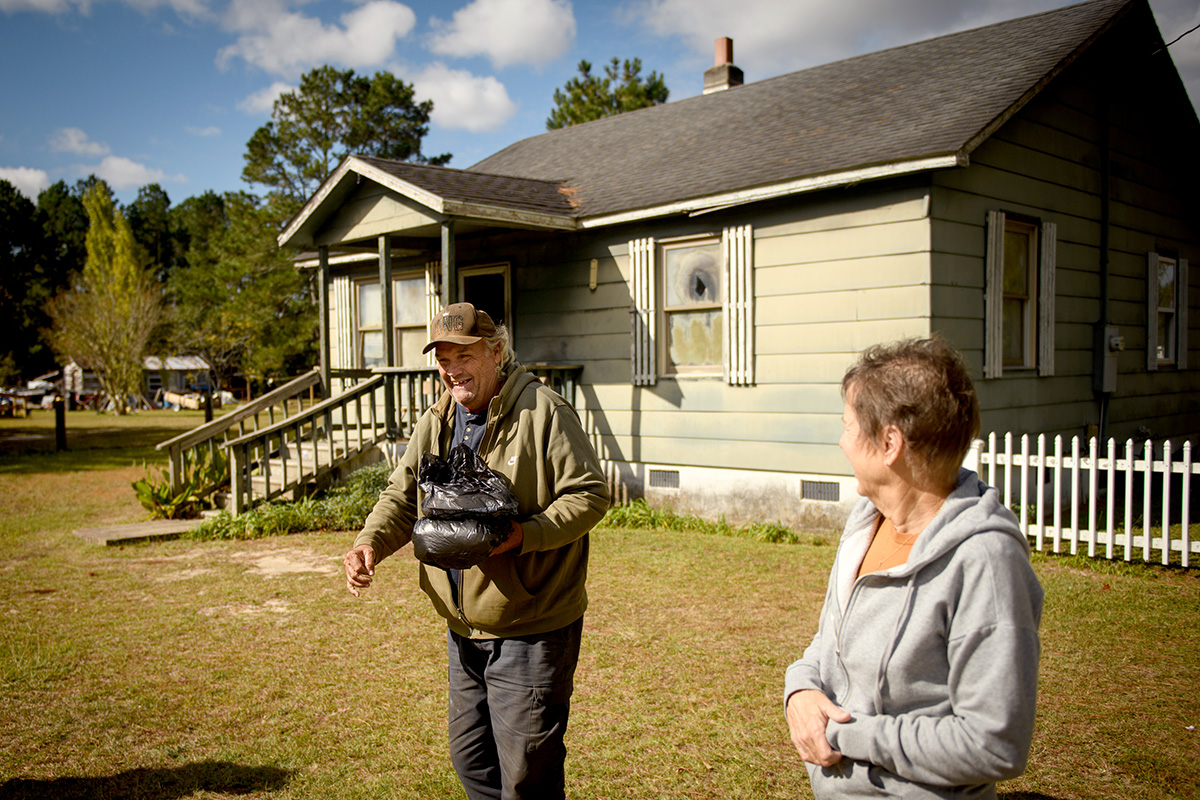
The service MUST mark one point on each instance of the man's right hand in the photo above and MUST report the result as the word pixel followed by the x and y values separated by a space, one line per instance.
pixel 360 568
pixel 808 712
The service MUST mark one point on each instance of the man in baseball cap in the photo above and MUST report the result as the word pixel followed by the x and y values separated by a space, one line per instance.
pixel 515 619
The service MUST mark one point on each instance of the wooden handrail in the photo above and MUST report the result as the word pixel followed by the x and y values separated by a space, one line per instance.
pixel 311 412
pixel 305 428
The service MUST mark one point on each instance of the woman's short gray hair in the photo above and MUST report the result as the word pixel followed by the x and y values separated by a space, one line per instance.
pixel 922 387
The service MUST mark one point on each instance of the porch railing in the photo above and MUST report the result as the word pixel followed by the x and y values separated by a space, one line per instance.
pixel 205 444
pixel 1115 500
pixel 285 458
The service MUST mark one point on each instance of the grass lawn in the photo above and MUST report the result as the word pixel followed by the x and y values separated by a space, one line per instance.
pixel 244 669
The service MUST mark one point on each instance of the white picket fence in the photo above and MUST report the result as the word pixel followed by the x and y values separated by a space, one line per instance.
pixel 1046 486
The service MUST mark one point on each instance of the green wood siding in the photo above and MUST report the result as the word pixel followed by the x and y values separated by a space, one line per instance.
pixel 1045 163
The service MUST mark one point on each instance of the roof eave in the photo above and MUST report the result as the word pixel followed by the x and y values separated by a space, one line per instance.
pixel 703 205
pixel 299 231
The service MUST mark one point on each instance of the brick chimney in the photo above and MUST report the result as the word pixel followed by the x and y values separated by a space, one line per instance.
pixel 723 74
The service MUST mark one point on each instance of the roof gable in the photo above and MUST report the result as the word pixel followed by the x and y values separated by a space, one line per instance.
pixel 421 196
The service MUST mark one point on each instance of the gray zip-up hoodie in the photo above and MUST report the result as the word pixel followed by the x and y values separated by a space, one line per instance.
pixel 936 659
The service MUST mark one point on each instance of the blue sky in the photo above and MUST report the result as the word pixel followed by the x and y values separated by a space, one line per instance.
pixel 170 91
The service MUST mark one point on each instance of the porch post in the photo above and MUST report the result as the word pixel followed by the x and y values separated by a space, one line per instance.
pixel 387 297
pixel 323 301
pixel 449 268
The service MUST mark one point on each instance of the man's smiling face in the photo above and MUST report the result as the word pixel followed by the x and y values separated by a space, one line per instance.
pixel 469 372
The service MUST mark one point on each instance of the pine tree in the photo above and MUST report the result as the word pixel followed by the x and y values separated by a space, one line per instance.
pixel 590 97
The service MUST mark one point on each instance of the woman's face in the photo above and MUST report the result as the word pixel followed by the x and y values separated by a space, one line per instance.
pixel 470 372
pixel 865 456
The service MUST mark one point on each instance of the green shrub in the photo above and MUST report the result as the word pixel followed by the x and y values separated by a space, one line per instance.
pixel 343 507
pixel 639 515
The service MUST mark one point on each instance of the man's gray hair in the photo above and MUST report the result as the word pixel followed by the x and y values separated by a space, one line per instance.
pixel 508 356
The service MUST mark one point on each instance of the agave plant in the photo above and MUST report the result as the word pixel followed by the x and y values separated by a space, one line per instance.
pixel 156 496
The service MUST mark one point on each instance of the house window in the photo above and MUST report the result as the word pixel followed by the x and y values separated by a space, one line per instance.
pixel 369 326
pixel 1019 310
pixel 1166 311
pixel 693 295
pixel 408 312
pixel 1019 316
pixel 693 307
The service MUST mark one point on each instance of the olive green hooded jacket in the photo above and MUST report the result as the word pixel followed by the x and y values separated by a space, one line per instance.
pixel 534 438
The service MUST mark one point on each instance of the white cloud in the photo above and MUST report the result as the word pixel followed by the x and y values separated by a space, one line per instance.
pixel 464 101
pixel 44 6
pixel 263 101
pixel 508 31
pixel 211 130
pixel 771 38
pixel 122 173
pixel 287 43
pixel 74 140
pixel 29 182
pixel 191 8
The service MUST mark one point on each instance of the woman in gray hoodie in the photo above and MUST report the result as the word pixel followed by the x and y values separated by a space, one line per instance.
pixel 921 681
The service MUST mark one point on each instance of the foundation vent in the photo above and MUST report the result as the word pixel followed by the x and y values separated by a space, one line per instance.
pixel 820 490
pixel 664 479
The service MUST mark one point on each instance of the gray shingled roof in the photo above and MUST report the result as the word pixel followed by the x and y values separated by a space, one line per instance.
pixel 931 98
pixel 527 194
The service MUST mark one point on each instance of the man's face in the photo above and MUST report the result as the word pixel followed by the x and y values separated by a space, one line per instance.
pixel 469 372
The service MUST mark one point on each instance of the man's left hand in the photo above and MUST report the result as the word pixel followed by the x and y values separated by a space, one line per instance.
pixel 513 542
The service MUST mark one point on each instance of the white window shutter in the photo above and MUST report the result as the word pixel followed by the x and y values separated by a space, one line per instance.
pixel 993 352
pixel 644 314
pixel 1151 312
pixel 738 248
pixel 1045 300
pixel 433 299
pixel 341 292
pixel 1181 313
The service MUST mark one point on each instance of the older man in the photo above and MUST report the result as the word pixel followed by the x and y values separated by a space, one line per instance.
pixel 515 619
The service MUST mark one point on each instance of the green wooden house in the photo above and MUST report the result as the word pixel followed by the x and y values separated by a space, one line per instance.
pixel 1025 189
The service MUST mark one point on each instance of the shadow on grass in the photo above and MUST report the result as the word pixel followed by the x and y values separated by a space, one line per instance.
pixel 166 783
pixel 79 460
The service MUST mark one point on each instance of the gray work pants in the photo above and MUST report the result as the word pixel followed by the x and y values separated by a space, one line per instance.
pixel 509 703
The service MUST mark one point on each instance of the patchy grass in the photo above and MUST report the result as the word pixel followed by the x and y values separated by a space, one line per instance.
pixel 223 669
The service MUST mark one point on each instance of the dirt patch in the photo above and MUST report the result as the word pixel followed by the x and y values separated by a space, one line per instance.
pixel 241 609
pixel 286 562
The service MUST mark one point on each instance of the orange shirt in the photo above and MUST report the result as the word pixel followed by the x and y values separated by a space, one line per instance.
pixel 889 548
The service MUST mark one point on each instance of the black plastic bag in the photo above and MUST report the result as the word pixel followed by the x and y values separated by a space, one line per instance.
pixel 462 486
pixel 457 543
pixel 468 510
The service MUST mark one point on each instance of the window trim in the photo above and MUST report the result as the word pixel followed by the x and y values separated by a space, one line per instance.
pixel 738 307
pixel 1044 311
pixel 669 368
pixel 1178 333
pixel 358 331
pixel 502 268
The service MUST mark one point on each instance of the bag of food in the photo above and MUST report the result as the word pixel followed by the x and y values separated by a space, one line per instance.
pixel 468 510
